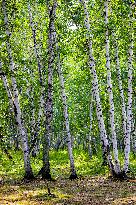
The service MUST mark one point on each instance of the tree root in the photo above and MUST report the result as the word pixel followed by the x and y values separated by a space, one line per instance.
pixel 122 176
pixel 29 176
pixel 73 176
pixel 45 174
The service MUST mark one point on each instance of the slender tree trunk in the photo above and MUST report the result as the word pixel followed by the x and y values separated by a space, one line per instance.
pixel 49 101
pixel 90 130
pixel 110 93
pixel 22 131
pixel 34 148
pixel 65 109
pixel 39 65
pixel 33 126
pixel 133 135
pixel 9 93
pixel 96 93
pixel 11 101
pixel 120 88
pixel 35 45
pixel 129 107
pixel 42 98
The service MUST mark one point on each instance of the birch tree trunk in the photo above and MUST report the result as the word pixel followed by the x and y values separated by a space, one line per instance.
pixel 9 93
pixel 33 126
pixel 49 101
pixel 22 131
pixel 35 45
pixel 120 88
pixel 39 65
pixel 90 130
pixel 96 93
pixel 42 98
pixel 35 145
pixel 11 101
pixel 129 106
pixel 110 93
pixel 133 135
pixel 66 117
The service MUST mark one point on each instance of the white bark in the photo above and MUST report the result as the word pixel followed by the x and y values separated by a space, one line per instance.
pixel 96 91
pixel 90 130
pixel 129 108
pixel 39 65
pixel 65 108
pixel 120 89
pixel 40 113
pixel 11 101
pixel 35 44
pixel 133 135
pixel 110 93
pixel 5 82
pixel 33 122
pixel 22 131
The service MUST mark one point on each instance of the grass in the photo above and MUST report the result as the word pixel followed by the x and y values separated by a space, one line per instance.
pixel 60 166
pixel 92 187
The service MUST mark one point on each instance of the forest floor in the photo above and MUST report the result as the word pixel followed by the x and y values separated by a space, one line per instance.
pixel 93 187
pixel 83 191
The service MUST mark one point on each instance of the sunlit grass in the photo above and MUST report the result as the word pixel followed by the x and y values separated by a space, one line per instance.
pixel 60 166
pixel 92 182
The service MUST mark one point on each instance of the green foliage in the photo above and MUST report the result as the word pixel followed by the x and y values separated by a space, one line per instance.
pixel 73 51
pixel 73 44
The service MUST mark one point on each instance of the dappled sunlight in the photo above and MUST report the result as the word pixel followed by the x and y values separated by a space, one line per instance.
pixel 85 190
pixel 31 193
pixel 125 201
pixel 92 186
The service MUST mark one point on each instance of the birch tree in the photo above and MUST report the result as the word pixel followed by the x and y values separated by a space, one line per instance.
pixel 111 102
pixel 66 117
pixel 35 47
pixel 90 130
pixel 133 135
pixel 10 97
pixel 129 104
pixel 96 92
pixel 7 88
pixel 39 66
pixel 49 101
pixel 22 131
pixel 123 106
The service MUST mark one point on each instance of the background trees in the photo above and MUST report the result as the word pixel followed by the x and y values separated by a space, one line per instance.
pixel 29 39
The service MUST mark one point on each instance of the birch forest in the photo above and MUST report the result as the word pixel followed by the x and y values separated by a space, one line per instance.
pixel 68 97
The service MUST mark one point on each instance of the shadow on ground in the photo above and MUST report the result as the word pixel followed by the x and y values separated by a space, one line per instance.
pixel 83 191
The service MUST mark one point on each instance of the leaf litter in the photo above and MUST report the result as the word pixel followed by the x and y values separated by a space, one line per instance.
pixel 83 191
